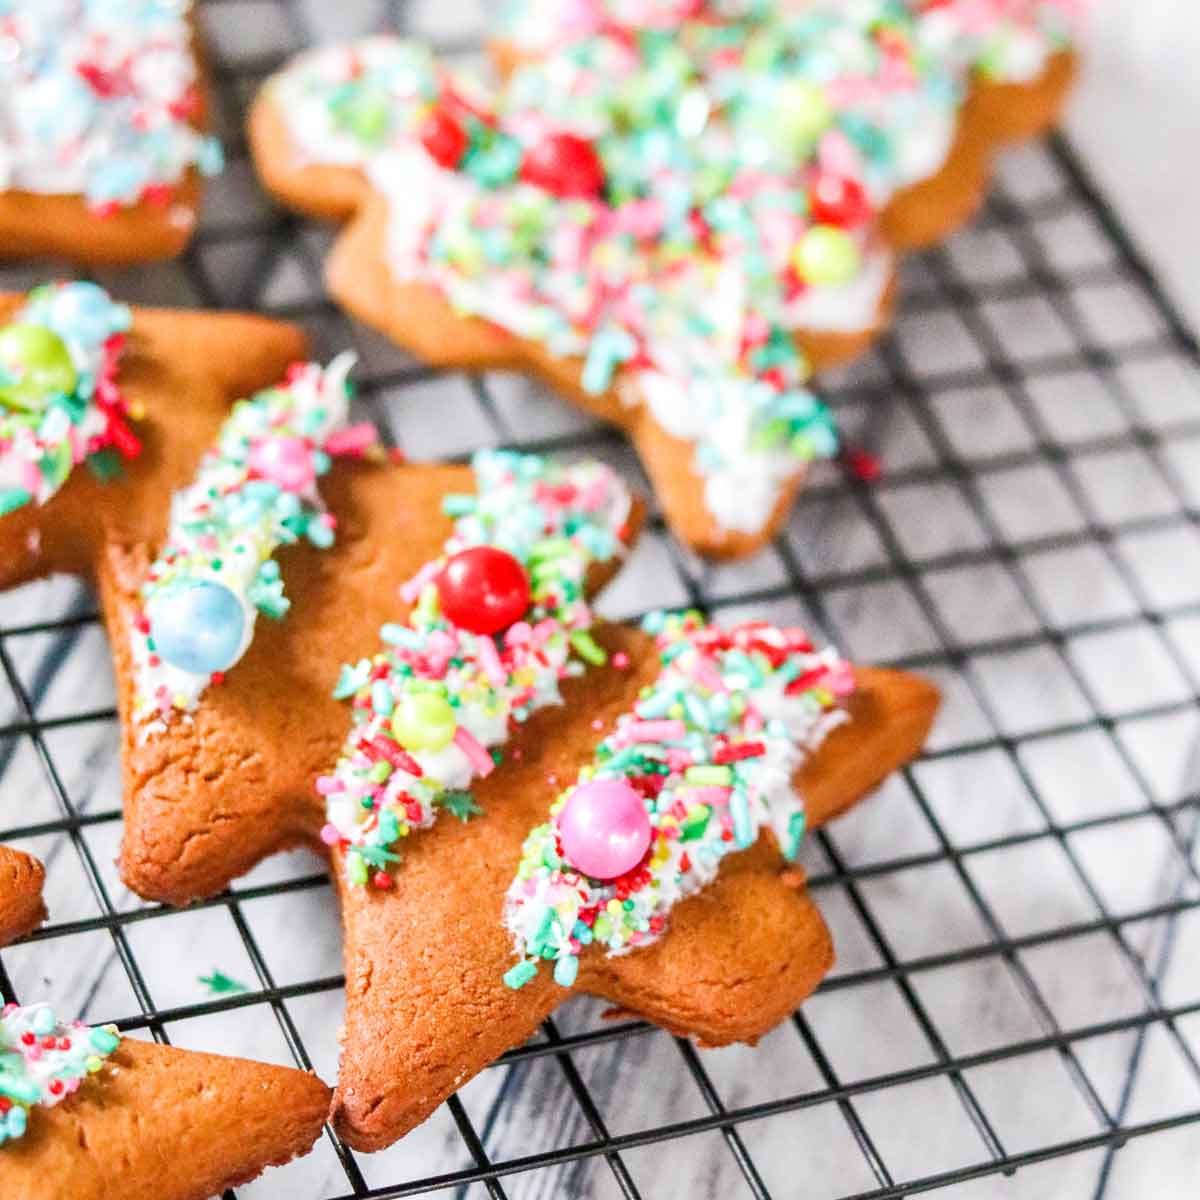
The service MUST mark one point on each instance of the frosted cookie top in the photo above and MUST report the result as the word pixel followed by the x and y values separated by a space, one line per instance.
pixel 501 618
pixel 60 403
pixel 676 284
pixel 43 1061
pixel 254 491
pixel 1007 40
pixel 703 763
pixel 97 98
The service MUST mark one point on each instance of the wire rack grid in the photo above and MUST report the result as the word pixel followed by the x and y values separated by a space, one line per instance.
pixel 1016 1009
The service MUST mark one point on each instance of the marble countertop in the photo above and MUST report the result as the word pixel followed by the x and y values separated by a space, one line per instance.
pixel 1022 901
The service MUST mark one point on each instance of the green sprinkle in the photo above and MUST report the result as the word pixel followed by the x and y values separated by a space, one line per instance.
pixel 218 983
pixel 587 649
pixel 459 804
pixel 519 975
pixel 13 498
pixel 709 776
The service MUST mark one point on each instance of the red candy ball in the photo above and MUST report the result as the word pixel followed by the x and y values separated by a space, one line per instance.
pixel 839 201
pixel 483 590
pixel 564 164
pixel 444 138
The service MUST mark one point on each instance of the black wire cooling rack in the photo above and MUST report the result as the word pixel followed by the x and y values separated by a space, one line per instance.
pixel 1016 1010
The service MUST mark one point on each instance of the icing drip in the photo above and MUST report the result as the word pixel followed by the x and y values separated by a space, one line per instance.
pixel 96 98
pixel 431 709
pixel 710 751
pixel 59 400
pixel 254 491
pixel 43 1061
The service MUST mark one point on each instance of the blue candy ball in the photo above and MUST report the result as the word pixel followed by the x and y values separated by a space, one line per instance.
pixel 197 627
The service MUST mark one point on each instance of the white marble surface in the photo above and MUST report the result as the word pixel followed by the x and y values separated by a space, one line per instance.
pixel 1032 546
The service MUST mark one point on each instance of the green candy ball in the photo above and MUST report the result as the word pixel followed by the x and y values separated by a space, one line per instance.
pixel 424 721
pixel 35 364
pixel 827 256
pixel 801 113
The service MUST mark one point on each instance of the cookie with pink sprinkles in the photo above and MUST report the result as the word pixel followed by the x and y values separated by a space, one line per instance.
pixel 251 538
pixel 671 213
pixel 636 841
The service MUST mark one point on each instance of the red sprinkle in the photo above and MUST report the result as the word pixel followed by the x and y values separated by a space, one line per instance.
pixel 444 138
pixel 737 751
pixel 863 465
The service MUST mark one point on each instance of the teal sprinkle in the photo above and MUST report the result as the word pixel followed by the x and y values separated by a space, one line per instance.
pixel 350 679
pixel 739 809
pixel 400 635
pixel 696 711
pixel 381 698
pixel 566 970
pixel 103 1041
pixel 654 622
pixel 609 348
pixel 518 976
pixel 320 534
pixel 655 706
pixel 12 499
pixel 44 1022
pixel 458 505
pixel 797 823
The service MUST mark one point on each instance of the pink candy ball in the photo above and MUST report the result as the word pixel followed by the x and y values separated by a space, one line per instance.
pixel 604 827
pixel 286 461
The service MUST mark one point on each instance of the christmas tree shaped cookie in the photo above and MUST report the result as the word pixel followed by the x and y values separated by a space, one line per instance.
pixel 480 706
pixel 661 883
pixel 672 218
pixel 243 553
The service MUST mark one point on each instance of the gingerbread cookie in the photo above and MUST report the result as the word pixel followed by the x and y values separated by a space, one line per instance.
pixel 88 1115
pixel 669 227
pixel 227 720
pixel 102 129
pixel 21 906
pixel 688 749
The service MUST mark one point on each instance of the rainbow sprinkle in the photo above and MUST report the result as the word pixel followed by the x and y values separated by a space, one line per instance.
pixel 40 445
pixel 98 98
pixel 227 525
pixel 713 747
pixel 556 520
pixel 43 1061
pixel 672 191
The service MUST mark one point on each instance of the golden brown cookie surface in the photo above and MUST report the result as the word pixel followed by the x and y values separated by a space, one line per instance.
pixel 426 1005
pixel 21 906
pixel 215 793
pixel 158 1123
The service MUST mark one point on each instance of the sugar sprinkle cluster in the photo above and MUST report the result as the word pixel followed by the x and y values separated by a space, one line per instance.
pixel 434 707
pixel 671 190
pixel 60 403
pixel 709 755
pixel 99 98
pixel 43 1061
pixel 255 490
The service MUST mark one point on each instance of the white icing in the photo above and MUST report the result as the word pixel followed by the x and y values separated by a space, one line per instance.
pixel 320 402
pixel 61 134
